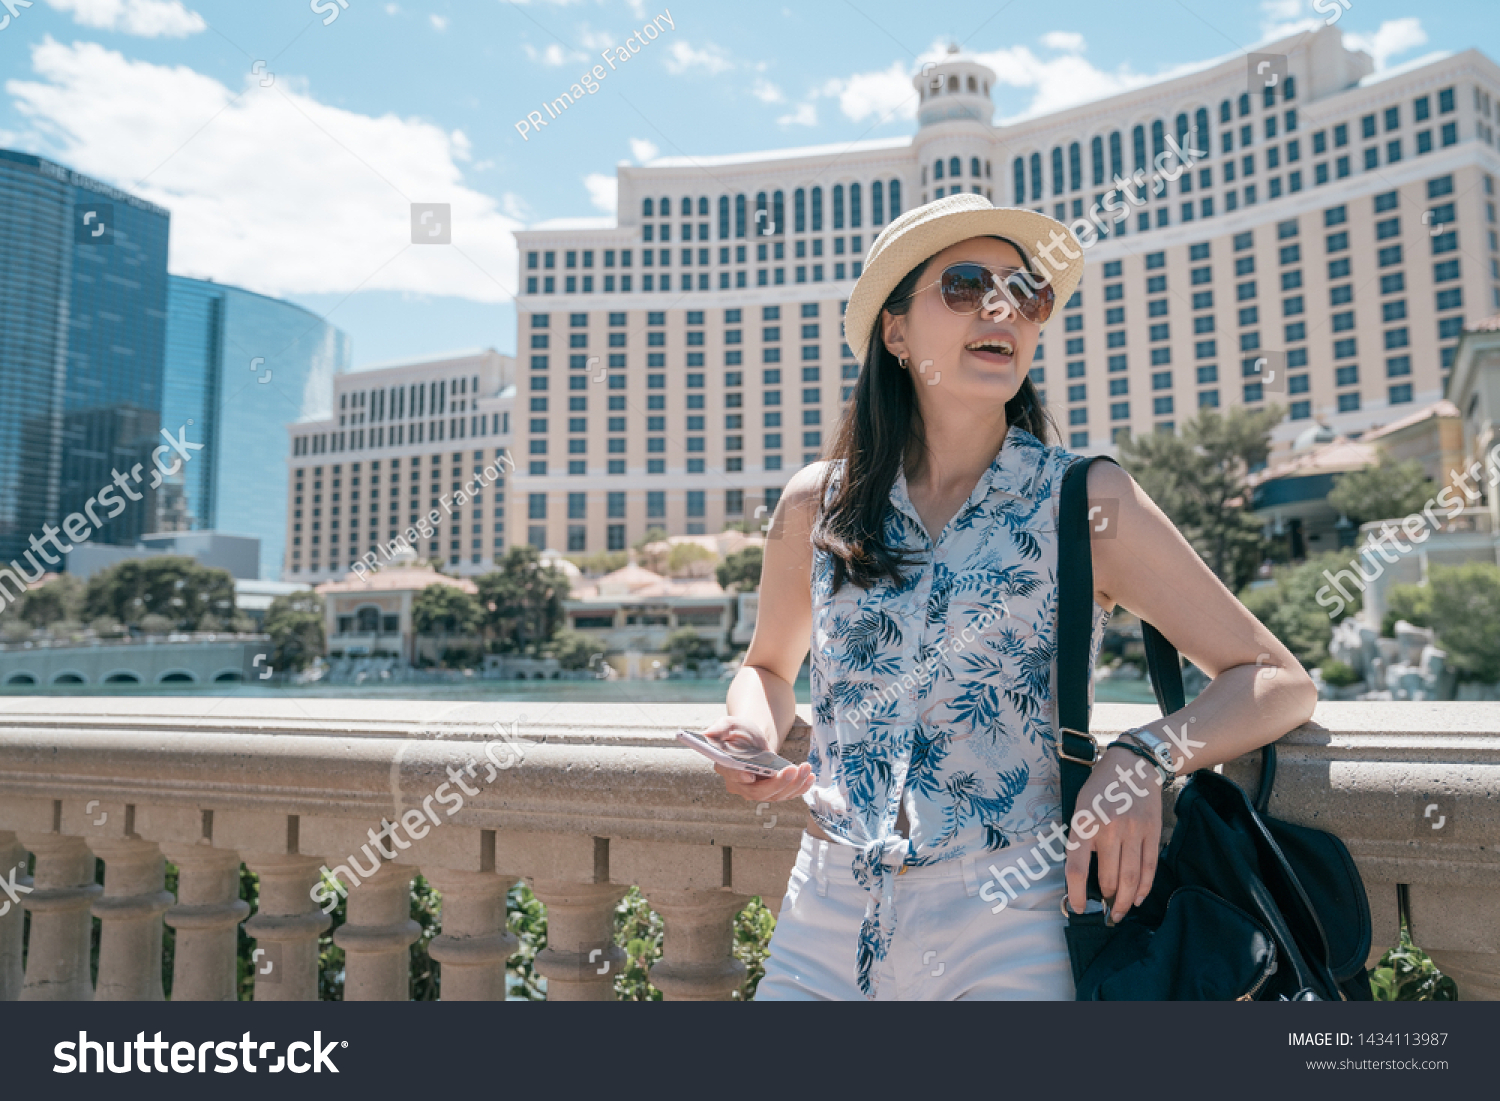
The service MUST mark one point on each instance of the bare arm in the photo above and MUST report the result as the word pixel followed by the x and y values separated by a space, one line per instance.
pixel 1258 691
pixel 761 693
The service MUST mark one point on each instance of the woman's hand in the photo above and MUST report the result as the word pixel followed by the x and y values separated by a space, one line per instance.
pixel 1127 844
pixel 743 736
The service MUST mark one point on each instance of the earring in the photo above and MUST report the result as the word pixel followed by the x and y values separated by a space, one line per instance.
pixel 902 360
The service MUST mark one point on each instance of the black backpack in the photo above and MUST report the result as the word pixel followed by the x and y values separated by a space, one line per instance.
pixel 1243 906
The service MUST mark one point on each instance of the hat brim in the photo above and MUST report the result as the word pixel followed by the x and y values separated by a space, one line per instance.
pixel 922 232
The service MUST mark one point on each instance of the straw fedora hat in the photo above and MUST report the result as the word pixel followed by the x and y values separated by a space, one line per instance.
pixel 927 230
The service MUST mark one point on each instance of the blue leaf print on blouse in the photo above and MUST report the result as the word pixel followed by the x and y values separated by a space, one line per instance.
pixel 872 641
pixel 928 751
pixel 866 772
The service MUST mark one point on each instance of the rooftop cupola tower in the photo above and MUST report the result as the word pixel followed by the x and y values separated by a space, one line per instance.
pixel 955 88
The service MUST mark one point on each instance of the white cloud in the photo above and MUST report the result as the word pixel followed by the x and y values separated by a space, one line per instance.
pixel 1287 17
pixel 603 190
pixel 643 150
pixel 553 54
pixel 596 40
pixel 767 92
pixel 806 114
pixel 393 9
pixel 1055 82
pixel 269 189
pixel 886 93
pixel 1281 11
pixel 1394 37
pixel 1071 41
pixel 515 206
pixel 439 22
pixel 681 57
pixel 1059 82
pixel 146 18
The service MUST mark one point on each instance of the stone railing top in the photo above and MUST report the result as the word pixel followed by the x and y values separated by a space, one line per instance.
pixel 602 793
pixel 616 769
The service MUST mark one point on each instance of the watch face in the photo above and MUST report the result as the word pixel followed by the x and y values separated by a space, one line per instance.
pixel 1157 746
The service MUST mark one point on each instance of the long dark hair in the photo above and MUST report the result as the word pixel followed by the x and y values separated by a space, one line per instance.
pixel 873 436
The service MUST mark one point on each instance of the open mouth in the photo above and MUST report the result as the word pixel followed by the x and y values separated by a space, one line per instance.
pixel 997 346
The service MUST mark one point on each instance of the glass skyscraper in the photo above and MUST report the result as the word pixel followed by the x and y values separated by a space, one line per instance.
pixel 243 366
pixel 83 280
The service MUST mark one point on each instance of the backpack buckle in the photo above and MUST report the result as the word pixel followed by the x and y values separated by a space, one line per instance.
pixel 1062 750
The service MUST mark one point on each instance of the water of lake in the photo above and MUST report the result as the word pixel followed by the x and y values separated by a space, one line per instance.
pixel 553 691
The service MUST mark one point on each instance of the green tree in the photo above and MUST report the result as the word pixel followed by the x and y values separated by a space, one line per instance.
pixel 179 590
pixel 59 600
pixel 572 649
pixel 1412 603
pixel 741 570
pixel 682 556
pixel 1197 477
pixel 521 602
pixel 1290 609
pixel 686 647
pixel 1466 611
pixel 295 623
pixel 600 563
pixel 653 535
pixel 654 560
pixel 446 609
pixel 1386 491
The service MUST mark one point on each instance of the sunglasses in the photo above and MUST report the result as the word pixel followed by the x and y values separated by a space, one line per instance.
pixel 967 288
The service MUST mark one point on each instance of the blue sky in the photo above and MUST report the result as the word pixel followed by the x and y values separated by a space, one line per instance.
pixel 288 142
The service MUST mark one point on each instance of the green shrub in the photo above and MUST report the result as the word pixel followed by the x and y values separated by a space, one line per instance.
pixel 1466 612
pixel 1292 611
pixel 1412 603
pixel 1406 974
pixel 640 931
pixel 1338 674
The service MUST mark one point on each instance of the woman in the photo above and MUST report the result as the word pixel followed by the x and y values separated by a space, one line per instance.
pixel 920 565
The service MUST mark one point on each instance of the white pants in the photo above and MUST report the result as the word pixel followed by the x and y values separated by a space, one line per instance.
pixel 948 945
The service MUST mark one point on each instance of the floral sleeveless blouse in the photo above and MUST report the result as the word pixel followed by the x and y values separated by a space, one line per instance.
pixel 939 691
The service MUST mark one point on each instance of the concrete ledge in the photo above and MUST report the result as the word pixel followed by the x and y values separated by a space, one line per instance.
pixel 601 793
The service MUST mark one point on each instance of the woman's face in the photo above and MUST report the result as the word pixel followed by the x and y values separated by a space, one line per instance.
pixel 981 357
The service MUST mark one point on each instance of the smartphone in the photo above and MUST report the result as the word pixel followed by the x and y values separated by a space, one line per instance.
pixel 760 763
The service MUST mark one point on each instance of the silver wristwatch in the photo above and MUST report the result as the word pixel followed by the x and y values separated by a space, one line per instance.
pixel 1159 748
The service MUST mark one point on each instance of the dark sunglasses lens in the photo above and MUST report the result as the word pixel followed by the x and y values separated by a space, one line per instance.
pixel 1033 302
pixel 964 287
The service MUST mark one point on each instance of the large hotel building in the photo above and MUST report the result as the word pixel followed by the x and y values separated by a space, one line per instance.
pixel 674 369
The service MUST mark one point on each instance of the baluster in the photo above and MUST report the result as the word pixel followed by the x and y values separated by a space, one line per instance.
pixel 286 924
pixel 475 942
pixel 1476 974
pixel 57 959
pixel 13 920
pixel 1450 921
pixel 130 912
pixel 697 963
pixel 377 935
pixel 581 959
pixel 208 910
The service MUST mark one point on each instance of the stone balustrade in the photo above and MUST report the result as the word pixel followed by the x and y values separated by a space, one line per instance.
pixel 582 801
